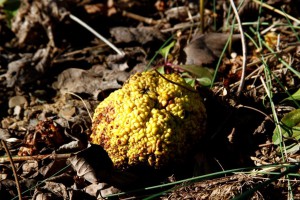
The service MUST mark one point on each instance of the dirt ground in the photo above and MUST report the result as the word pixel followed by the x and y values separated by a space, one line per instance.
pixel 60 59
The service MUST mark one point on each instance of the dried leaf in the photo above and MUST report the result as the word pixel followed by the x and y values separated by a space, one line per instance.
pixel 37 16
pixel 92 163
pixel 51 190
pixel 206 48
pixel 50 167
pixel 83 168
pixel 142 35
pixel 92 81
pixel 8 189
pixel 30 169
pixel 100 190
pixel 29 67
pixel 71 146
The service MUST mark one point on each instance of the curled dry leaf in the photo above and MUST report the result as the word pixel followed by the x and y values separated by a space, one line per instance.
pixel 30 169
pixel 71 146
pixel 92 164
pixel 180 12
pixel 51 190
pixel 83 168
pixel 100 190
pixel 29 67
pixel 37 17
pixel 46 134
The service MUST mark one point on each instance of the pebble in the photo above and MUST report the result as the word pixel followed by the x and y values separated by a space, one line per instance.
pixel 67 112
pixel 17 101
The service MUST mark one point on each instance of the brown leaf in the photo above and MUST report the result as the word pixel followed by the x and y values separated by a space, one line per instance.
pixel 55 191
pixel 141 35
pixel 206 48
pixel 101 190
pixel 30 169
pixel 34 21
pixel 29 67
pixel 92 81
pixel 48 169
pixel 83 168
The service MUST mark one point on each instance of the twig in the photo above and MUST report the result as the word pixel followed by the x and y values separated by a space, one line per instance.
pixel 184 25
pixel 5 159
pixel 276 10
pixel 79 21
pixel 140 18
pixel 201 4
pixel 242 81
pixel 259 160
pixel 13 168
pixel 274 114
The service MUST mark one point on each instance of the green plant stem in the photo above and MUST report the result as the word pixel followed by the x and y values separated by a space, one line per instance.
pixel 194 179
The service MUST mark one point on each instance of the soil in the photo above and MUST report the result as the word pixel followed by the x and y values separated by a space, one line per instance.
pixel 54 71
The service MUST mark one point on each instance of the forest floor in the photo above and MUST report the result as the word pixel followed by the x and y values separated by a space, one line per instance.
pixel 55 70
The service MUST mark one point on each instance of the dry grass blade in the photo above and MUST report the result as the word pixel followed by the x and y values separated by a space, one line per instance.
pixel 79 21
pixel 276 10
pixel 82 102
pixel 243 47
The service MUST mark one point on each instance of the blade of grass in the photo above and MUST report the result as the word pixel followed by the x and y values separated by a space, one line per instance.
pixel 262 4
pixel 194 179
pixel 276 79
pixel 268 90
pixel 40 183
pixel 276 177
pixel 158 52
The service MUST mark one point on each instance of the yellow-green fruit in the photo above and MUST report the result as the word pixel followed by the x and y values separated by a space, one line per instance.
pixel 150 120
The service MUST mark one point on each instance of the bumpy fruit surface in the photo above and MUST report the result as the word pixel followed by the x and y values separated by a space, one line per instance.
pixel 150 120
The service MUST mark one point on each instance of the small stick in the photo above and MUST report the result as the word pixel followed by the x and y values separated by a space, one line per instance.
pixel 140 18
pixel 13 168
pixel 5 159
pixel 201 4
